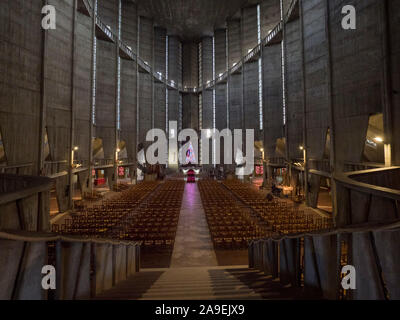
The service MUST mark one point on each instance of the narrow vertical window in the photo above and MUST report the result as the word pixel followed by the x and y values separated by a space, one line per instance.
pixel 283 73
pixel 200 65
pixel 260 83
pixel 166 94
pixel 213 76
pixel 94 71
pixel 260 92
pixel 200 121
pixel 119 71
pixel 213 92
pixel 258 24
pixel 227 82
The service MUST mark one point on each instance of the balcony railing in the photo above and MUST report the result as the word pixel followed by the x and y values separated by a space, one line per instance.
pixel 103 163
pixel 314 261
pixel 85 267
pixel 55 168
pixel 24 201
pixel 108 35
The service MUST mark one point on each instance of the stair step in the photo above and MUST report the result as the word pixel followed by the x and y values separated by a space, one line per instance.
pixel 198 283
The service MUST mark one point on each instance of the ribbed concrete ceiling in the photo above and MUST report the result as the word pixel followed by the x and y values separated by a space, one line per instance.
pixel 191 19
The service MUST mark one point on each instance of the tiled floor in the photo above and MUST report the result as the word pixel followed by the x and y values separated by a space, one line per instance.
pixel 193 245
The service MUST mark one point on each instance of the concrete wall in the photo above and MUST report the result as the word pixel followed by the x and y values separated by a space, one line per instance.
pixel 106 68
pixel 358 80
pixel 357 76
pixel 175 74
pixel 234 81
pixel 174 59
pixel 234 44
pixel 249 29
pixel 207 69
pixel 58 79
pixel 235 102
pixel 20 78
pixel 316 76
pixel 145 79
pixel 190 79
pixel 285 5
pixel 221 116
pixel 190 67
pixel 128 94
pixel 82 82
pixel 190 112
pixel 220 51
pixel 294 90
pixel 272 99
pixel 160 36
pixel 394 43
pixel 251 98
pixel 270 13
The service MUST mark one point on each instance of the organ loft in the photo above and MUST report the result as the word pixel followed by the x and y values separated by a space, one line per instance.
pixel 200 150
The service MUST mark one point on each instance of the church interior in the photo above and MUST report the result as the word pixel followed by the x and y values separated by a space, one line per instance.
pixel 310 87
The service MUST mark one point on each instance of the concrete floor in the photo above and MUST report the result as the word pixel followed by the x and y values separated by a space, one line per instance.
pixel 203 283
pixel 193 245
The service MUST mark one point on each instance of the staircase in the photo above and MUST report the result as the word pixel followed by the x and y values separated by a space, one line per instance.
pixel 201 283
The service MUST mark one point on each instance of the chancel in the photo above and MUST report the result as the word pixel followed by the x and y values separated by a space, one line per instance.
pixel 199 150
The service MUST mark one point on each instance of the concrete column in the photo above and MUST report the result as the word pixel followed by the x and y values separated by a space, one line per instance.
pixel 305 145
pixel 73 105
pixel 116 147
pixel 333 163
pixel 386 82
pixel 43 94
pixel 242 87
pixel 262 99
pixel 284 59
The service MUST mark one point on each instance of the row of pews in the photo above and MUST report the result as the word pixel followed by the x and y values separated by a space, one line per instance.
pixel 231 225
pixel 282 216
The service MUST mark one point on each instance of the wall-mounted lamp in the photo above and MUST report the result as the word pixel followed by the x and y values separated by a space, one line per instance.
pixel 301 148
pixel 118 149
pixel 378 139
pixel 76 148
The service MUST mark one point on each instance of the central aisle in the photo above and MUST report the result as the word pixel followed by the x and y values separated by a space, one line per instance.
pixel 193 246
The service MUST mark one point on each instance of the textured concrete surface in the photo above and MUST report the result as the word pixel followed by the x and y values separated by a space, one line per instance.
pixel 190 18
pixel 193 246
pixel 202 283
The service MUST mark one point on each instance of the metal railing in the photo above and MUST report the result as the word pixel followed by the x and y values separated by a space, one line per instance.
pixel 100 163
